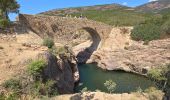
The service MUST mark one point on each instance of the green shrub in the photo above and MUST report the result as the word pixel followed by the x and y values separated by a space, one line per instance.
pixel 48 42
pixel 156 75
pixel 9 96
pixel 110 85
pixel 116 17
pixel 154 93
pixel 146 32
pixel 14 87
pixel 12 84
pixel 84 90
pixel 58 50
pixel 155 28
pixel 35 68
pixel 150 89
pixel 39 88
pixel 2 96
pixel 165 28
pixel 139 90
pixel 4 23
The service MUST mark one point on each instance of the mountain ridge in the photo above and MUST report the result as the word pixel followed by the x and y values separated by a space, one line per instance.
pixel 154 6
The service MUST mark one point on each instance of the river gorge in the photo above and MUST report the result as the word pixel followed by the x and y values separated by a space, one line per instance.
pixel 94 78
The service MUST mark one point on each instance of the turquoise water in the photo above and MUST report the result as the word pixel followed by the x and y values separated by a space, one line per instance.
pixel 93 78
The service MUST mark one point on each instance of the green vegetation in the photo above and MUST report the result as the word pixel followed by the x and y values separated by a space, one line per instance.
pixel 12 84
pixel 156 27
pixel 145 32
pixel 35 89
pixel 84 90
pixel 39 88
pixel 48 42
pixel 110 85
pixel 35 68
pixel 30 84
pixel 117 17
pixel 4 23
pixel 58 50
pixel 139 90
pixel 161 77
pixel 8 6
pixel 14 87
pixel 165 28
pixel 154 93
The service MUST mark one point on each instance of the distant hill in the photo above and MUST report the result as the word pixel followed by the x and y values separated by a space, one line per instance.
pixel 115 14
pixel 82 9
pixel 112 14
pixel 155 6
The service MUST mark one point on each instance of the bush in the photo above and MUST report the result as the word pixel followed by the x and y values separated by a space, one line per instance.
pixel 165 28
pixel 150 89
pixel 146 32
pixel 39 88
pixel 155 28
pixel 154 93
pixel 139 90
pixel 12 84
pixel 61 50
pixel 48 42
pixel 35 68
pixel 35 89
pixel 14 89
pixel 10 96
pixel 110 85
pixel 4 23
pixel 157 74
pixel 84 90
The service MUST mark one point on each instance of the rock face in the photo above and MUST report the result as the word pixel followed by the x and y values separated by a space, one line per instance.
pixel 135 58
pixel 119 52
pixel 63 70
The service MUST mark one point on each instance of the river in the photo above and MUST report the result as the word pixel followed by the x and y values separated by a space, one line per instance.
pixel 93 78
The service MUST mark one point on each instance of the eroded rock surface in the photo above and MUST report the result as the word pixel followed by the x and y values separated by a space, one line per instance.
pixel 134 57
pixel 63 70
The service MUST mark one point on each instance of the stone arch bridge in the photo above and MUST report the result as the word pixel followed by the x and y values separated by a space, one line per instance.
pixel 55 26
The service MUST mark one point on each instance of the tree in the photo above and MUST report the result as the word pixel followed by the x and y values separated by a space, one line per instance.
pixel 8 6
pixel 110 85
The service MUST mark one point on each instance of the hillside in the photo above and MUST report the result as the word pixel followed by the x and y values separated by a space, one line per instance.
pixel 155 6
pixel 115 14
pixel 82 9
pixel 112 14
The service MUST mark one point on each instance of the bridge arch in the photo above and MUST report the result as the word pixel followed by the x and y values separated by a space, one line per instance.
pixel 57 27
pixel 86 53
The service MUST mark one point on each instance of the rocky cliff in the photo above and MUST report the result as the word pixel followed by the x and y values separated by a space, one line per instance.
pixel 62 69
pixel 121 53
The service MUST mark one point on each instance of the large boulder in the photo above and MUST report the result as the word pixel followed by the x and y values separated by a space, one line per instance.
pixel 61 69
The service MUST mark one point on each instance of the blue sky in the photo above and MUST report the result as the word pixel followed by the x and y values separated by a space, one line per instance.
pixel 37 6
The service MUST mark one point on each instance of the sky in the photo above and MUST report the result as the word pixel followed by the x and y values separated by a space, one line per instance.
pixel 37 6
